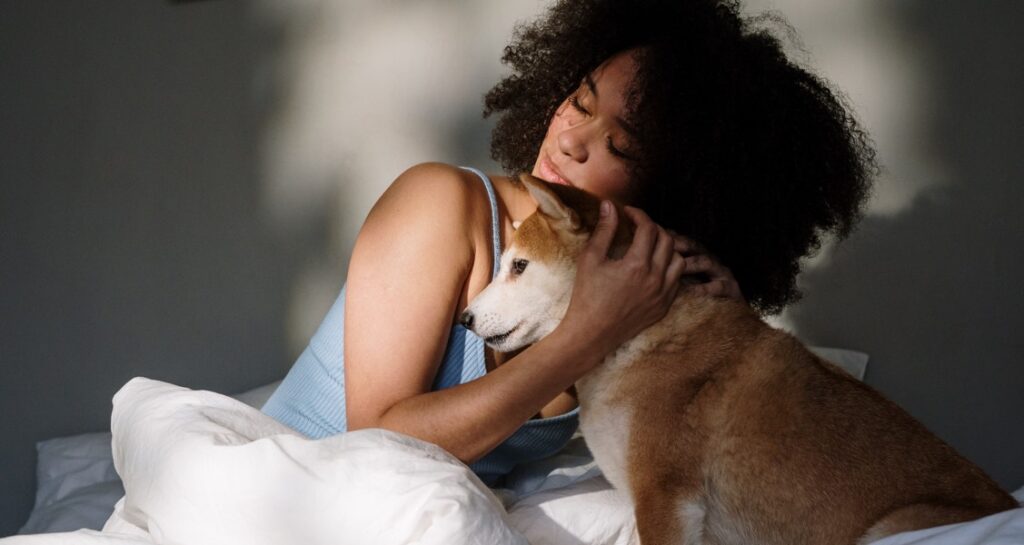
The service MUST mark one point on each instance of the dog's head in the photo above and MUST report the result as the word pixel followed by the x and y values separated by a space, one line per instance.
pixel 531 292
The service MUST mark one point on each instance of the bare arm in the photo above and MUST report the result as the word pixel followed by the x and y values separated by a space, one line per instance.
pixel 471 419
pixel 406 278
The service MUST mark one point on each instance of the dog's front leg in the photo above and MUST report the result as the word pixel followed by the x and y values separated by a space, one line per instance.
pixel 663 518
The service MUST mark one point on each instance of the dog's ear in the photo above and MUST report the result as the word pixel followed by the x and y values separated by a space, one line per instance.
pixel 548 202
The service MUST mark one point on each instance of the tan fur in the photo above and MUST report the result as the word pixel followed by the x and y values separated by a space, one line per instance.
pixel 540 238
pixel 585 212
pixel 735 433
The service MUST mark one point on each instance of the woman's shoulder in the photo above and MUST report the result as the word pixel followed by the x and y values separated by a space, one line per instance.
pixel 434 188
pixel 437 180
pixel 434 219
pixel 452 201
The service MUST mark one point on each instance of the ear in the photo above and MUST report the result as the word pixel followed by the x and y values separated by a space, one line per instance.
pixel 548 202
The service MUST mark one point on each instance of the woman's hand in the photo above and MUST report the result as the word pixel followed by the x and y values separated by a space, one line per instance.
pixel 615 299
pixel 720 281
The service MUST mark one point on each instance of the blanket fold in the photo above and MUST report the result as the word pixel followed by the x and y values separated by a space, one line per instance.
pixel 202 468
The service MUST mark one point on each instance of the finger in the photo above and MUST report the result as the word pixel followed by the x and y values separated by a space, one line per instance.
pixel 604 232
pixel 675 269
pixel 686 245
pixel 714 288
pixel 715 271
pixel 645 236
pixel 663 251
pixel 700 263
pixel 672 275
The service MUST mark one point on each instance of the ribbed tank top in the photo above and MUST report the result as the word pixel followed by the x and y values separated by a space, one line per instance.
pixel 311 399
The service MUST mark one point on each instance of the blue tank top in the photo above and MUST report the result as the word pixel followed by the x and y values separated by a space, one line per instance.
pixel 311 399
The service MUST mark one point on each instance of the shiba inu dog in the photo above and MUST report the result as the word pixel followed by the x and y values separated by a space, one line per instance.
pixel 721 429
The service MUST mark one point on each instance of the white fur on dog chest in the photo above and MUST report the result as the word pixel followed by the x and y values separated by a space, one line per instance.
pixel 605 420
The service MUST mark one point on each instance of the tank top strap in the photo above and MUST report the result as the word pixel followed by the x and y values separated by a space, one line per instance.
pixel 495 227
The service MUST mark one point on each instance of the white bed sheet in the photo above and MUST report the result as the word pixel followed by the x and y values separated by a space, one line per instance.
pixel 201 468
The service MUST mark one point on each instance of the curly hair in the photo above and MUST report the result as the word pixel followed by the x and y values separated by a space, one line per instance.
pixel 739 148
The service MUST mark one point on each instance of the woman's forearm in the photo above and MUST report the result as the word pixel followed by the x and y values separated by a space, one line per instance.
pixel 471 419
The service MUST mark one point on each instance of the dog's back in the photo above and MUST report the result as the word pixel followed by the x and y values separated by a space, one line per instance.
pixel 736 433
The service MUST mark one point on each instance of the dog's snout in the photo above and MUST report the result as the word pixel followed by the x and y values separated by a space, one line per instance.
pixel 466 319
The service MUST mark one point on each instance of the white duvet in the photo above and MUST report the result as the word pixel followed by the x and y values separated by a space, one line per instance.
pixel 201 468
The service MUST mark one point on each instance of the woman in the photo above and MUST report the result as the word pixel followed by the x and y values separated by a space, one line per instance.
pixel 683 109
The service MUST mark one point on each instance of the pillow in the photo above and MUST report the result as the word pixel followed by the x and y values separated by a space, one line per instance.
pixel 67 464
pixel 86 507
pixel 77 485
pixel 851 361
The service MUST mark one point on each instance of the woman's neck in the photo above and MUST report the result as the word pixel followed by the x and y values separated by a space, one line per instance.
pixel 517 201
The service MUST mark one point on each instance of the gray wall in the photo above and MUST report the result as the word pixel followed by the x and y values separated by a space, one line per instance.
pixel 131 239
pixel 135 237
pixel 155 213
pixel 934 293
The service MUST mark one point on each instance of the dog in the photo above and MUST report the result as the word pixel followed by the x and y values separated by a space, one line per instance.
pixel 721 429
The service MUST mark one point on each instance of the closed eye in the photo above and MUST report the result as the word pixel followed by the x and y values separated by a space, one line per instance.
pixel 575 102
pixel 518 266
pixel 616 151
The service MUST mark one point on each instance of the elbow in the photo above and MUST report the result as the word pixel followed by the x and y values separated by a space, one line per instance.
pixel 466 452
pixel 361 417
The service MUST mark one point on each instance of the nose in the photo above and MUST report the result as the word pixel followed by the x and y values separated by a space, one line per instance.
pixel 573 142
pixel 466 320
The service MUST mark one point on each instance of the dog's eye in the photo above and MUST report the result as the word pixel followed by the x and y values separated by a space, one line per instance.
pixel 518 266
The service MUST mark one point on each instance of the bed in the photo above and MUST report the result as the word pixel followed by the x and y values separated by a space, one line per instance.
pixel 207 468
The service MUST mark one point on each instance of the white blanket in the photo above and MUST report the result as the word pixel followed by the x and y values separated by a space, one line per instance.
pixel 202 468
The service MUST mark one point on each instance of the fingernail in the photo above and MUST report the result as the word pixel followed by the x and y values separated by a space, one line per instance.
pixel 606 208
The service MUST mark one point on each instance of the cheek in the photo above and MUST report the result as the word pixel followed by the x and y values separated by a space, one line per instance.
pixel 559 121
pixel 612 183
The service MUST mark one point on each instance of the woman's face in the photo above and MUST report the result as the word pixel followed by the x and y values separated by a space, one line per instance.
pixel 588 142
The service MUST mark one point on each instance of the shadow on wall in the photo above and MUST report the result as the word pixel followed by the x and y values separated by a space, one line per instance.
pixel 183 183
pixel 933 292
pixel 134 241
pixel 370 89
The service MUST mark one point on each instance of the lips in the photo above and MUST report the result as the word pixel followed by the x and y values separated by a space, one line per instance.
pixel 549 172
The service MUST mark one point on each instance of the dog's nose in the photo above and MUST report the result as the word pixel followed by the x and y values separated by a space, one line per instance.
pixel 466 319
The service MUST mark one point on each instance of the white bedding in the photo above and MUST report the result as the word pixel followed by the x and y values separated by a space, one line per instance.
pixel 202 468
pixel 199 467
